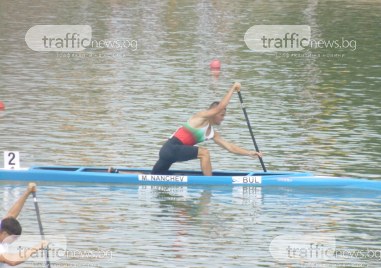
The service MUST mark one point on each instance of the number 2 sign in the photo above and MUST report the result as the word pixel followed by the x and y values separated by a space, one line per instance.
pixel 11 160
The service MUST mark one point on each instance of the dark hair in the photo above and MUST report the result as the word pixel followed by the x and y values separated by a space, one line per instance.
pixel 11 226
pixel 214 103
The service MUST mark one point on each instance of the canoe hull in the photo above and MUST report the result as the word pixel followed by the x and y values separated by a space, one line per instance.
pixel 180 177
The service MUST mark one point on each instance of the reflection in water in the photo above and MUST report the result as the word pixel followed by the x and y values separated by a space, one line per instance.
pixel 190 213
pixel 196 226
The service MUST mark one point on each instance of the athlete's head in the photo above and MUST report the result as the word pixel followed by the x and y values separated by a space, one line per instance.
pixel 219 117
pixel 11 226
pixel 10 229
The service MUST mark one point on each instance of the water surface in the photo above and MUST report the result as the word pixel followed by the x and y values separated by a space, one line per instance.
pixel 317 110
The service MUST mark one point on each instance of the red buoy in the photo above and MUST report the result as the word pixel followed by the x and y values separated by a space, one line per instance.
pixel 2 106
pixel 215 65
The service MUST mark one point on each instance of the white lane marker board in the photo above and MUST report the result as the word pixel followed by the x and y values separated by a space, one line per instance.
pixel 11 160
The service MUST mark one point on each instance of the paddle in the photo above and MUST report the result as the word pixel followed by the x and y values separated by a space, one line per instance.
pixel 40 226
pixel 251 131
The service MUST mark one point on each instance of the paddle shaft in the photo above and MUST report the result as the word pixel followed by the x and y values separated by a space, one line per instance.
pixel 40 226
pixel 251 131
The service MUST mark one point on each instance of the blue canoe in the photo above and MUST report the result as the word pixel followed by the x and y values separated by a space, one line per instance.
pixel 181 177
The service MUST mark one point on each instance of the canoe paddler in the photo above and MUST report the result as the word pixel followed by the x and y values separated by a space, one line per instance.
pixel 199 128
pixel 10 229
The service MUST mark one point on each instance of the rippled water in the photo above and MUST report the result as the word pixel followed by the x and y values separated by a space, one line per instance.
pixel 190 227
pixel 314 111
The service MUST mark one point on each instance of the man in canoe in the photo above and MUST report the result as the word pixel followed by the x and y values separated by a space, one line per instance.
pixel 180 146
pixel 10 229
